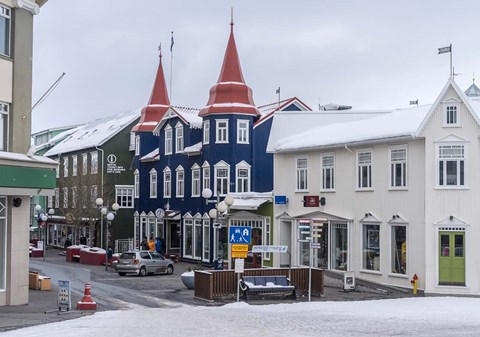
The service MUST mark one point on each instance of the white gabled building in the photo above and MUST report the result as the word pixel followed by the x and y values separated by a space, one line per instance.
pixel 391 193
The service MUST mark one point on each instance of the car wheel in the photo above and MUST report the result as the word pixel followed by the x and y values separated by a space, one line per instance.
pixel 122 274
pixel 142 272
pixel 169 270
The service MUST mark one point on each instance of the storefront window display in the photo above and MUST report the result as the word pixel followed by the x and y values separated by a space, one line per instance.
pixel 371 247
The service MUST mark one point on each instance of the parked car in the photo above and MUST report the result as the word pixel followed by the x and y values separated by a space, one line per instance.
pixel 142 263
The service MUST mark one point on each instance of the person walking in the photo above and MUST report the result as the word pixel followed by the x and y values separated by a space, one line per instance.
pixel 158 245
pixel 151 244
pixel 144 244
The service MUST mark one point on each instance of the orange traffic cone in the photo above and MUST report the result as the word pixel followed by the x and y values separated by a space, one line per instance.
pixel 87 303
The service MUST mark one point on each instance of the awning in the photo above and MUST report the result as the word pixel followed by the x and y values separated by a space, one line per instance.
pixel 248 204
pixel 172 215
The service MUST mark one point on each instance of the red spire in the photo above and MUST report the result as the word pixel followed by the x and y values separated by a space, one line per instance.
pixel 158 103
pixel 230 94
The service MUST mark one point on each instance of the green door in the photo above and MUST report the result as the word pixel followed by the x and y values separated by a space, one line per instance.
pixel 452 258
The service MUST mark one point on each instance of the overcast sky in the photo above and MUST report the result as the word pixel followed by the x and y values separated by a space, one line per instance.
pixel 369 54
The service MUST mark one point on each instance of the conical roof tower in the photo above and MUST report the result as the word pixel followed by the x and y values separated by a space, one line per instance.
pixel 231 94
pixel 157 105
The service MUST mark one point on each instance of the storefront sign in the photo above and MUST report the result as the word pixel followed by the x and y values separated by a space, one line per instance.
pixel 64 295
pixel 112 166
pixel 269 249
pixel 311 201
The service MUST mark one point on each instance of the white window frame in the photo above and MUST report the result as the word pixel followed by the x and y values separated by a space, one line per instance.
pixel 267 236
pixel 365 246
pixel 242 182
pixel 153 183
pixel 222 183
pixel 243 131
pixel 327 169
pixel 364 164
pixel 395 161
pixel 463 146
pixel 167 182
pixel 196 182
pixel 221 132
pixel 206 132
pixel 179 138
pixel 74 165
pixel 168 140
pixel 57 197
pixel 124 195
pixel 206 175
pixel 65 197
pixel 180 182
pixel 136 144
pixel 133 143
pixel 5 12
pixel 4 109
pixel 451 114
pixel 393 257
pixel 301 174
pixel 94 162
pixel 65 166
pixel 84 163
pixel 136 184
pixel 74 196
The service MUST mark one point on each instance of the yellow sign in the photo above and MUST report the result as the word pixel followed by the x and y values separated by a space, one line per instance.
pixel 241 255
pixel 239 248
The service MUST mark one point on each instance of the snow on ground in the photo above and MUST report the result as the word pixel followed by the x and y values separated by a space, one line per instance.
pixel 430 316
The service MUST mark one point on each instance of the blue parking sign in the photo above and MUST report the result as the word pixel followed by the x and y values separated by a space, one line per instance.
pixel 240 234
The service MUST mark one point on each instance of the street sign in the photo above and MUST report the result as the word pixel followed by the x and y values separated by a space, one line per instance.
pixel 240 234
pixel 303 240
pixel 239 248
pixel 239 265
pixel 269 249
pixel 304 232
pixel 217 225
pixel 242 255
pixel 304 226
pixel 315 245
pixel 280 199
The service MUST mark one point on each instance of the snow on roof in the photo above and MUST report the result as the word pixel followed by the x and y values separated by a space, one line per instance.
pixel 250 200
pixel 13 156
pixel 193 149
pixel 154 155
pixel 320 132
pixel 267 108
pixel 190 115
pixel 58 138
pixel 95 133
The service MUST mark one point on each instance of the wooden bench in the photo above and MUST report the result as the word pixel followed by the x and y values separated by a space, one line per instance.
pixel 261 285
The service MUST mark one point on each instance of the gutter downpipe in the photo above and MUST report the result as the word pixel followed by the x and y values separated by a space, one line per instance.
pixel 101 215
pixel 346 148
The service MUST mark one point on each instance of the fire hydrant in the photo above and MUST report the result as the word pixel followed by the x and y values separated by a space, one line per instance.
pixel 414 283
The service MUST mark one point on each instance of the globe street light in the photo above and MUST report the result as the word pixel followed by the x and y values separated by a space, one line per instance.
pixel 110 216
pixel 44 217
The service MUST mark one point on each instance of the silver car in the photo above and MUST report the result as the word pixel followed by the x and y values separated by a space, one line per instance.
pixel 142 263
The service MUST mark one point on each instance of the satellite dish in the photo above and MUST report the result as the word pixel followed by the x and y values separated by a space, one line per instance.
pixel 159 213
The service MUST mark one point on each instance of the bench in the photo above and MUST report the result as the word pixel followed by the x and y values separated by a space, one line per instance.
pixel 261 285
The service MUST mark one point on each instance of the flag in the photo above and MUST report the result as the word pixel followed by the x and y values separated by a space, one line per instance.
pixel 414 102
pixel 171 44
pixel 277 91
pixel 445 49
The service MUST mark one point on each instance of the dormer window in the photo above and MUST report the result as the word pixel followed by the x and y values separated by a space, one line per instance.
pixel 168 140
pixel 179 137
pixel 451 113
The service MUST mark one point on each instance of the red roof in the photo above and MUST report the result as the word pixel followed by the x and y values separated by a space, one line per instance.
pixel 230 94
pixel 157 105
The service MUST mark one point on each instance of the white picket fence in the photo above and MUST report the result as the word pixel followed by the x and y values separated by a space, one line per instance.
pixel 123 245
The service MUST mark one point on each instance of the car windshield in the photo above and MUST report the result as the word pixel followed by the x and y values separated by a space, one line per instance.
pixel 127 256
pixel 157 256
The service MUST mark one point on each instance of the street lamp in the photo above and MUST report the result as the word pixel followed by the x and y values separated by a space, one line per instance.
pixel 214 213
pixel 44 217
pixel 110 216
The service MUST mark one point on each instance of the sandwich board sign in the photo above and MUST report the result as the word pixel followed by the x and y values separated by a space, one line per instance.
pixel 349 281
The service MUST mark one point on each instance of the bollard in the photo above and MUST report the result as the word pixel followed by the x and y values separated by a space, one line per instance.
pixel 87 303
pixel 414 282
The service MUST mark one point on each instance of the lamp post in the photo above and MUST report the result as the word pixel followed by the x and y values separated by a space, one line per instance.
pixel 44 217
pixel 110 216
pixel 214 213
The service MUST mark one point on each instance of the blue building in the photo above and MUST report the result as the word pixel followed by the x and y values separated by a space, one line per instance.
pixel 181 151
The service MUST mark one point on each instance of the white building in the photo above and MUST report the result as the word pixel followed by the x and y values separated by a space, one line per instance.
pixel 389 194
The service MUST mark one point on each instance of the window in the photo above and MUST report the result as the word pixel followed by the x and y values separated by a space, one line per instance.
pixel 450 114
pixel 222 131
pixel 188 237
pixel 74 165
pixel 180 181
pixel 179 137
pixel 65 166
pixel 93 195
pixel 4 30
pixel 136 144
pixel 74 197
pixel 328 172
pixel 206 132
pixel 267 256
pixel 195 181
pixel 222 178
pixel 94 162
pixel 206 175
pixel 302 170
pixel 57 198
pixel 371 247
pixel 133 143
pixel 153 183
pixel 3 242
pixel 4 107
pixel 136 183
pixel 242 131
pixel 168 140
pixel 206 240
pixel 84 163
pixel 124 195
pixel 50 201
pixel 451 165
pixel 243 177
pixel 398 167
pixel 84 196
pixel 167 183
pixel 364 167
pixel 399 250
pixel 65 197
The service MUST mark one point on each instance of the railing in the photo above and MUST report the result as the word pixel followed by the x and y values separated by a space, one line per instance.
pixel 123 245
pixel 216 284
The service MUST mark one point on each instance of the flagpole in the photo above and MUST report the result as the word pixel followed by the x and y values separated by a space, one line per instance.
pixel 171 68
pixel 278 92
pixel 451 68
